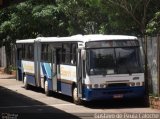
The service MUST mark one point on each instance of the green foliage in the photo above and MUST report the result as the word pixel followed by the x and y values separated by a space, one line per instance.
pixel 32 18
pixel 29 19
pixel 154 25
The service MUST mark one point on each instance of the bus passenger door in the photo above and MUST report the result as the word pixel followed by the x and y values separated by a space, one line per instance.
pixel 54 70
pixel 79 73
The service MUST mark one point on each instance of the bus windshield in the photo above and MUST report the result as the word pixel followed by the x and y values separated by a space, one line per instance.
pixel 107 61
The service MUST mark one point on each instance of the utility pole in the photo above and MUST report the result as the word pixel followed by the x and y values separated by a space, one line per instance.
pixel 146 73
pixel 158 64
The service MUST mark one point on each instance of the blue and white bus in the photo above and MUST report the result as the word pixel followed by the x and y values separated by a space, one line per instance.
pixel 86 67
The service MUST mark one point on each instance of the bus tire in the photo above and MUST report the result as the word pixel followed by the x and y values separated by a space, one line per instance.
pixel 26 86
pixel 75 97
pixel 46 90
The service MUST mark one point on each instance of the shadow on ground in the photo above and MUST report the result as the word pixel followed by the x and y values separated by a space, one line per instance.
pixel 53 94
pixel 13 104
pixel 115 104
pixel 100 104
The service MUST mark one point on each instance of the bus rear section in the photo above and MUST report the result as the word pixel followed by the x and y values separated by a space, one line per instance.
pixel 114 70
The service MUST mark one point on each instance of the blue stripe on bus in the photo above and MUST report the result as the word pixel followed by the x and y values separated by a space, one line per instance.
pixel 48 69
pixel 31 80
pixel 19 69
pixel 49 84
pixel 66 89
pixel 98 94
pixel 43 69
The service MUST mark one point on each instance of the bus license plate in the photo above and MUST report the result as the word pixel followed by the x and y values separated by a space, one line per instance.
pixel 118 96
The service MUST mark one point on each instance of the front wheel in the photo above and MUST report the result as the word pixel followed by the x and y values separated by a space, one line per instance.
pixel 47 92
pixel 76 99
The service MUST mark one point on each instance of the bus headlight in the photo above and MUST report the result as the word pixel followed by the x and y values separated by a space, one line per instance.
pixel 89 86
pixel 137 83
pixel 95 85
pixel 132 84
pixel 102 85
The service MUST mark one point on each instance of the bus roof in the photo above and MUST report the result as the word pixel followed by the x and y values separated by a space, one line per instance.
pixel 86 38
pixel 79 38
pixel 26 41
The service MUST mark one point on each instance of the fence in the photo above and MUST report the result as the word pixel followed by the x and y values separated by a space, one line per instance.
pixel 11 56
pixel 2 57
pixel 152 64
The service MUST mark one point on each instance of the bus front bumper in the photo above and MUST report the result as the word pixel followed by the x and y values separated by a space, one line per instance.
pixel 114 93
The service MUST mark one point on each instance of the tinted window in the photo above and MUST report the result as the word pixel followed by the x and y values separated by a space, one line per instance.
pixel 46 53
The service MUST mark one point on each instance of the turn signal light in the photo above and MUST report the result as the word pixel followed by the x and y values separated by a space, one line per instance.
pixel 102 85
pixel 137 83
pixel 132 84
pixel 95 85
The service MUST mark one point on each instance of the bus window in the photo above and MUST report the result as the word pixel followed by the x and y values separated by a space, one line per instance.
pixel 73 54
pixel 46 53
pixel 23 51
pixel 19 51
pixel 69 53
pixel 30 52
pixel 66 54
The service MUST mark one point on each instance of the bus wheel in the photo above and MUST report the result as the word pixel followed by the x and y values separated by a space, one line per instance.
pixel 47 92
pixel 26 86
pixel 76 99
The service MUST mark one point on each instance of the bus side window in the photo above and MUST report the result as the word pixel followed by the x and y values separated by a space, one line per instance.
pixel 66 53
pixel 30 52
pixel 69 53
pixel 23 51
pixel 46 53
pixel 19 51
pixel 73 54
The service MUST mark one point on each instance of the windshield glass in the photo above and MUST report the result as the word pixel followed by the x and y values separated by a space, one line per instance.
pixel 113 61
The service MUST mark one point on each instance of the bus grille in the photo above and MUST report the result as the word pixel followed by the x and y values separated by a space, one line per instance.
pixel 117 85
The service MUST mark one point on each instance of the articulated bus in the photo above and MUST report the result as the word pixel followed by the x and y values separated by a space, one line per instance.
pixel 86 67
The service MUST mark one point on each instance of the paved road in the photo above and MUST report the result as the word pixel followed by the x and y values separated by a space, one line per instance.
pixel 15 101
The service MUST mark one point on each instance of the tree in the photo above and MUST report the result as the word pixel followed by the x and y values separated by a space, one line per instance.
pixel 83 17
pixel 153 26
pixel 29 19
pixel 136 12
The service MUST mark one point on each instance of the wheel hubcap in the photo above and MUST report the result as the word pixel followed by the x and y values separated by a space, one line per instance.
pixel 46 86
pixel 75 94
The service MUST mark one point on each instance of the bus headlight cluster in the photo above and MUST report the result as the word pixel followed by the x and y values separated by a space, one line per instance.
pixel 102 85
pixel 95 85
pixel 89 86
pixel 132 84
pixel 138 84
pixel 135 84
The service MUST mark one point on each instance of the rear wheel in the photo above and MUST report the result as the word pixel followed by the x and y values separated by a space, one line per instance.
pixel 47 92
pixel 26 86
pixel 76 99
